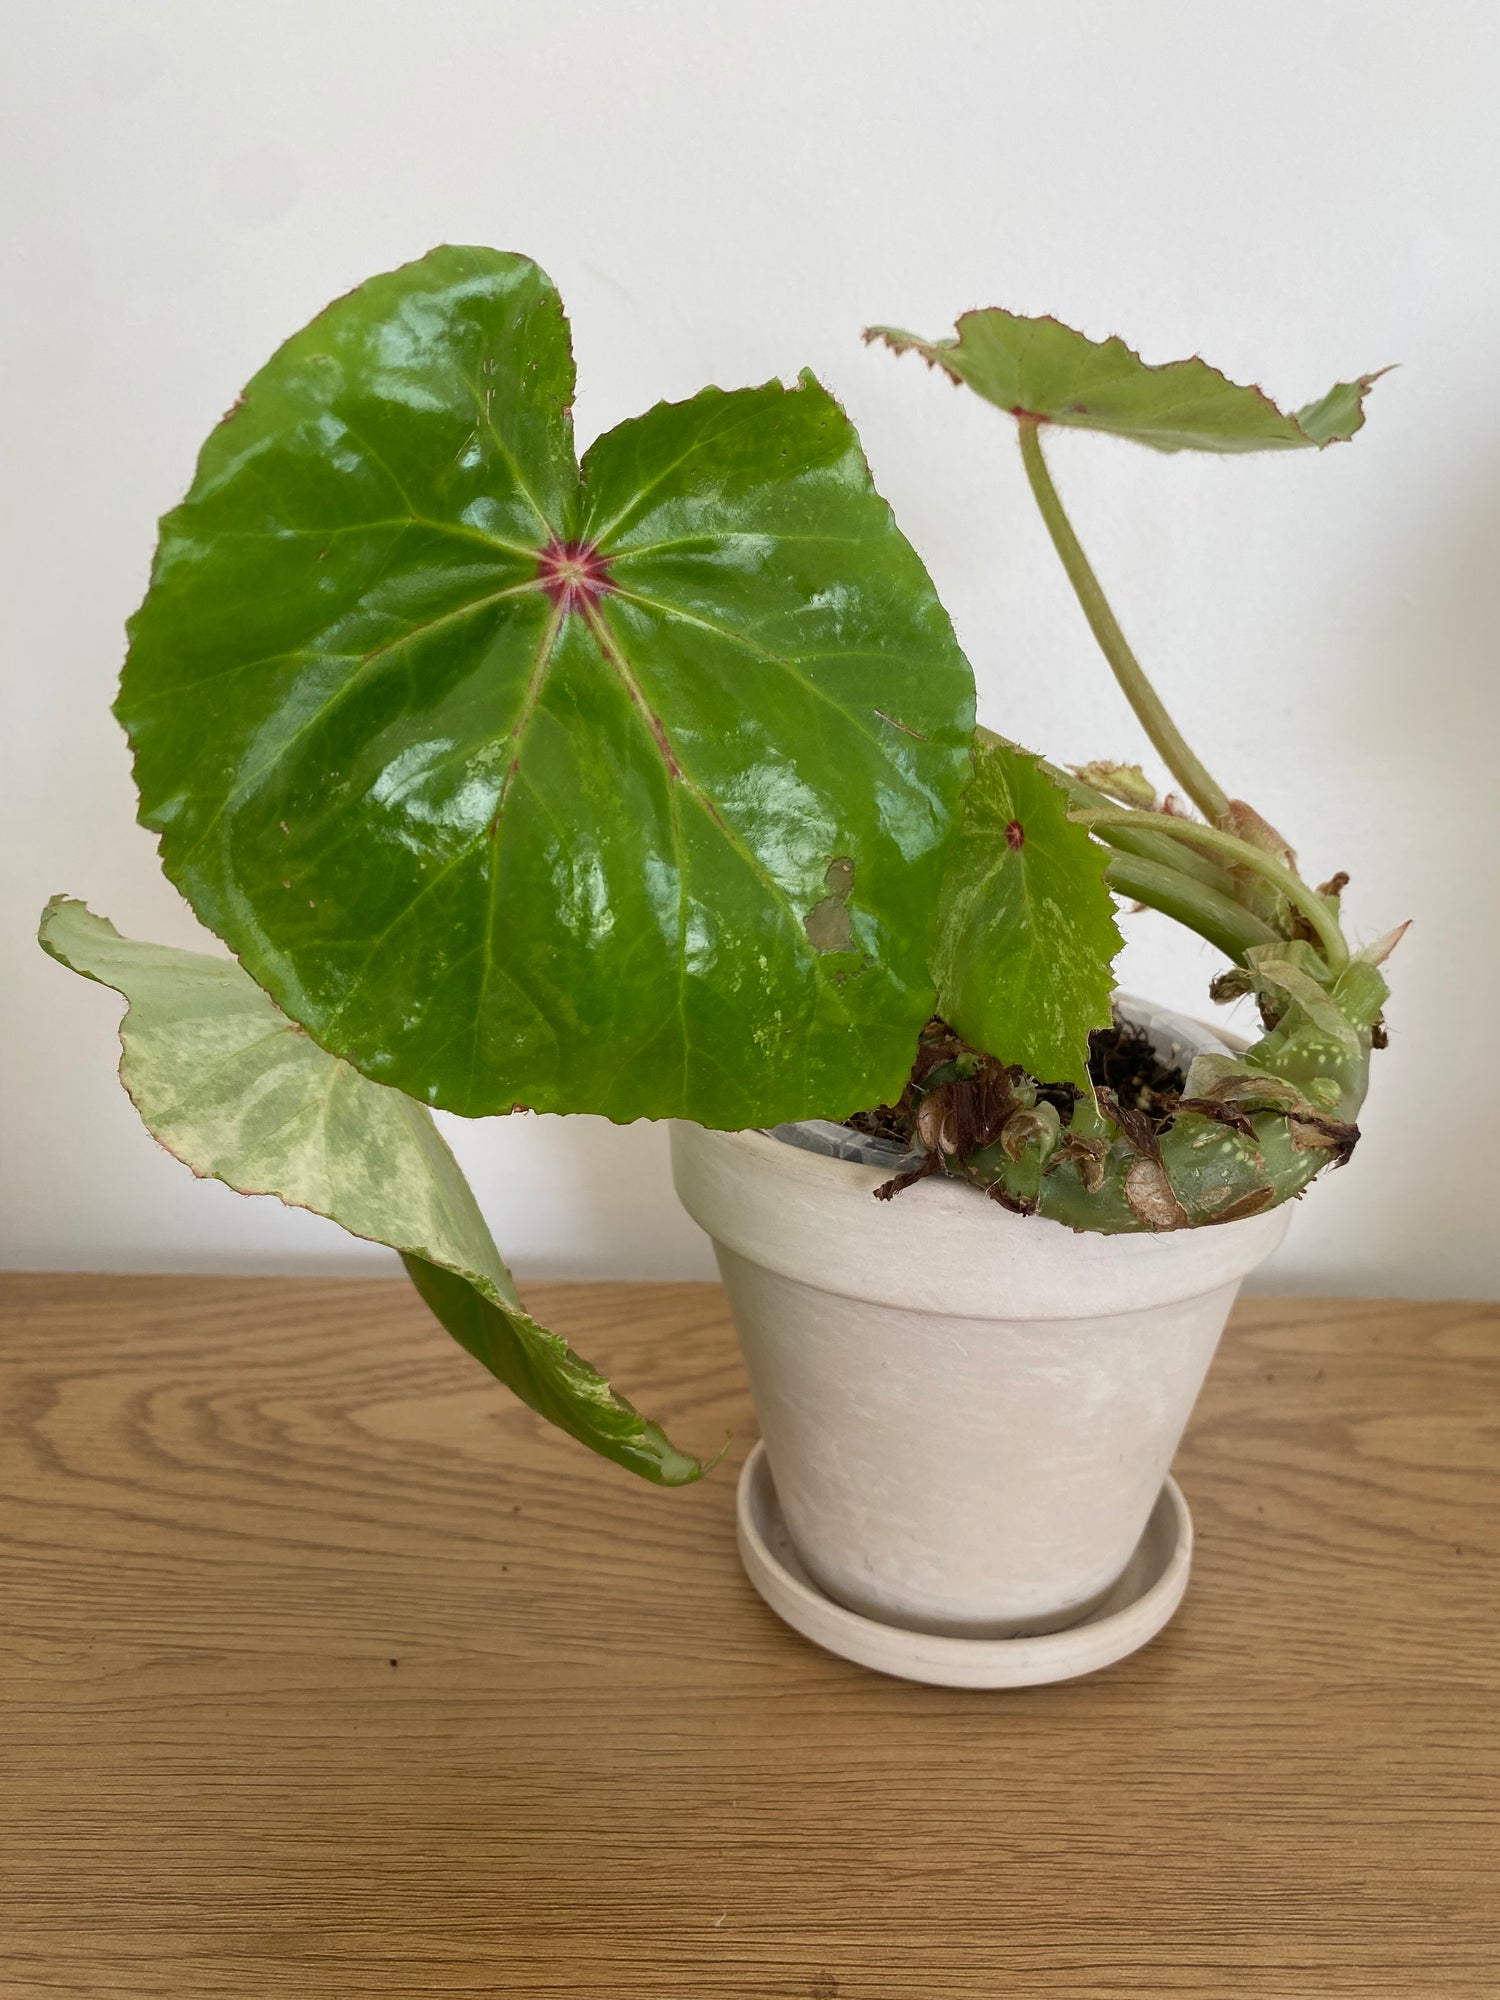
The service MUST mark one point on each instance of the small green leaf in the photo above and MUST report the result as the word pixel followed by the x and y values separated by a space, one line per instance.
pixel 1287 967
pixel 1126 782
pixel 241 1094
pixel 1041 368
pixel 1026 928
pixel 515 781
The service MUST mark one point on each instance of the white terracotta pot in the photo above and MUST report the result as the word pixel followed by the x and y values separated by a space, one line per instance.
pixel 969 1414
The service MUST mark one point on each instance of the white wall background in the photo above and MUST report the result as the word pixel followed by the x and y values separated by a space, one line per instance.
pixel 1299 189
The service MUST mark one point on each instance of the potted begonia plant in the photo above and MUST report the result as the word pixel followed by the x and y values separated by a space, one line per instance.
pixel 649 785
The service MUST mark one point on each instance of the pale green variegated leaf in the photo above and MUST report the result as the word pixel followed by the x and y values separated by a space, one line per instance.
pixel 516 780
pixel 1026 930
pixel 1041 368
pixel 241 1094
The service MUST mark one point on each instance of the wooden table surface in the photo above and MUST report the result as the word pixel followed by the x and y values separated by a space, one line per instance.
pixel 328 1670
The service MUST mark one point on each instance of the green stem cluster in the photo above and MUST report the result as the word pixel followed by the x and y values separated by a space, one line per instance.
pixel 1243 854
pixel 1211 913
pixel 1186 869
pixel 1250 1132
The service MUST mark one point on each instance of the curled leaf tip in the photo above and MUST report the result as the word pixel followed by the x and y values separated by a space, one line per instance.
pixel 901 342
pixel 1380 951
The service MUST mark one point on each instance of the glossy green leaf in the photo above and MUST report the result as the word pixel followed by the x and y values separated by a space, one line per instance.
pixel 513 783
pixel 241 1094
pixel 1041 368
pixel 1026 928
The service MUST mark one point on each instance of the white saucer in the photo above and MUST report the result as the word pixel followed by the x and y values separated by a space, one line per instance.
pixel 1140 1604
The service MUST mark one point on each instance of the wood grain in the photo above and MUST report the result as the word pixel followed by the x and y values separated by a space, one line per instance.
pixel 329 1672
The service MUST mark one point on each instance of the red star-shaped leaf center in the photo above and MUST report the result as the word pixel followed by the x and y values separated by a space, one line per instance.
pixel 573 574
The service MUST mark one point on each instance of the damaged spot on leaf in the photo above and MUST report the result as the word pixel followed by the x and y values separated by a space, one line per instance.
pixel 828 924
pixel 1152 1198
pixel 1084 1151
pixel 905 727
pixel 1311 1133
pixel 937 1121
pixel 1033 1126
pixel 1256 1202
pixel 1016 1204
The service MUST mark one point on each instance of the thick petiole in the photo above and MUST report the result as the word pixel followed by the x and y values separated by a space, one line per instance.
pixel 1138 691
pixel 1239 853
pixel 1216 917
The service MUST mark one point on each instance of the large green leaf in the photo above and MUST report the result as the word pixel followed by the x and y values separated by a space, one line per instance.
pixel 1041 368
pixel 240 1094
pixel 621 791
pixel 1026 930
